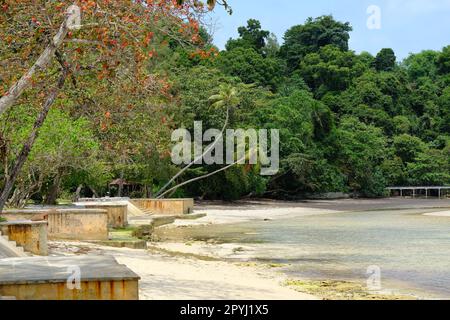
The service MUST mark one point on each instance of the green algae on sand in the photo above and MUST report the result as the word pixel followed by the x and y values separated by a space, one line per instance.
pixel 341 290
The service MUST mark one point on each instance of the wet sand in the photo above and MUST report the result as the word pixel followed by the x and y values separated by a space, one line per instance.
pixel 250 210
pixel 187 238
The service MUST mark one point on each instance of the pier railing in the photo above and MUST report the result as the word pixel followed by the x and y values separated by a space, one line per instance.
pixel 415 191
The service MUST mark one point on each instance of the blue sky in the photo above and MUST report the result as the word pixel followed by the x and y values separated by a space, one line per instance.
pixel 406 25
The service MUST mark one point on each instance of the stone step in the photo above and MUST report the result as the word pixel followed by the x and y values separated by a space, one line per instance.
pixel 135 211
pixel 11 247
pixel 12 243
pixel 145 211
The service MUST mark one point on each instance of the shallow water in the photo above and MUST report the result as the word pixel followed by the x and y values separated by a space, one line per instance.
pixel 411 250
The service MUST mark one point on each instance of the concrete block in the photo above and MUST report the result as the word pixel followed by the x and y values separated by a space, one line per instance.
pixel 67 224
pixel 165 206
pixel 30 235
pixel 39 278
pixel 117 213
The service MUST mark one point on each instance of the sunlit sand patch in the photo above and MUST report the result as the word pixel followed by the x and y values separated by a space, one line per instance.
pixel 438 214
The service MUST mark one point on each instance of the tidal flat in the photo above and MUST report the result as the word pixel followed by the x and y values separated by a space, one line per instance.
pixel 330 245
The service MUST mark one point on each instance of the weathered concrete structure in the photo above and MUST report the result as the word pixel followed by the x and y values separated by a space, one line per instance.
pixel 30 235
pixel 117 213
pixel 67 224
pixel 142 207
pixel 165 206
pixel 67 278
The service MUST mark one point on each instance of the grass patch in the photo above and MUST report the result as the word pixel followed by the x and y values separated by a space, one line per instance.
pixel 177 254
pixel 64 202
pixel 341 290
pixel 277 265
pixel 122 234
pixel 248 264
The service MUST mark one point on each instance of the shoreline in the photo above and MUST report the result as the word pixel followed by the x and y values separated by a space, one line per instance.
pixel 267 210
pixel 170 276
pixel 231 216
pixel 209 270
pixel 257 211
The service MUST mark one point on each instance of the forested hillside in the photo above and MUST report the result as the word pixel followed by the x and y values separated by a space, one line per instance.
pixel 349 122
pixel 353 123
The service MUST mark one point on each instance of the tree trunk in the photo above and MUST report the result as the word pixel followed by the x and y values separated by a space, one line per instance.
pixel 160 192
pixel 77 193
pixel 4 155
pixel 94 192
pixel 20 161
pixel 14 93
pixel 121 184
pixel 148 191
pixel 172 190
pixel 18 198
pixel 52 194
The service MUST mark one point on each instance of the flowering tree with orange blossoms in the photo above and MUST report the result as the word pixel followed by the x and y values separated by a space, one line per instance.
pixel 96 54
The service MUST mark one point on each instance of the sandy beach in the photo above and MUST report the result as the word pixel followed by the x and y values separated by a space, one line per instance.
pixel 237 215
pixel 167 277
pixel 254 210
pixel 179 271
pixel 438 214
pixel 177 268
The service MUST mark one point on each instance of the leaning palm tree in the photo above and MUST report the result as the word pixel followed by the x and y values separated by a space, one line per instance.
pixel 228 98
pixel 246 157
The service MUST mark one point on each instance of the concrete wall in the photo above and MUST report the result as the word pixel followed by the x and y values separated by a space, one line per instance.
pixel 165 206
pixel 54 278
pixel 117 214
pixel 90 290
pixel 67 224
pixel 30 235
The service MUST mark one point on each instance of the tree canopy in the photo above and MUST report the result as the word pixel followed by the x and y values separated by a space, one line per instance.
pixel 309 37
pixel 349 122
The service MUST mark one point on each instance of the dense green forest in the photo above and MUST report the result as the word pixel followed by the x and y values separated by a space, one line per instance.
pixel 349 122
pixel 353 123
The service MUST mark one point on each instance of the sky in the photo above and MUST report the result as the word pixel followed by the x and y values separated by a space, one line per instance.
pixel 407 26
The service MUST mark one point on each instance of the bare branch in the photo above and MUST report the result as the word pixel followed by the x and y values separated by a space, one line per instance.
pixel 42 63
